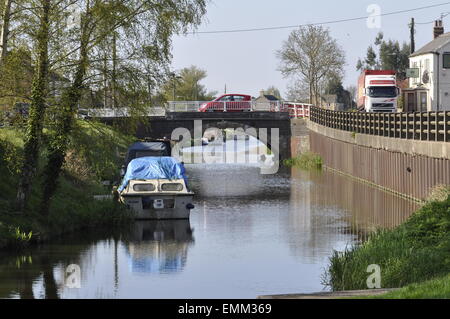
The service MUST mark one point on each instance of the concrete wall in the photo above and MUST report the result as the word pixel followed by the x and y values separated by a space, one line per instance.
pixel 300 137
pixel 408 168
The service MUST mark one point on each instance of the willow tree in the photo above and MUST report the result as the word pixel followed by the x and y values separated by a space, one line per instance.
pixel 136 26
pixel 310 55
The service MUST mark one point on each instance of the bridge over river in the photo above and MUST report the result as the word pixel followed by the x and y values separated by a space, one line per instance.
pixel 405 153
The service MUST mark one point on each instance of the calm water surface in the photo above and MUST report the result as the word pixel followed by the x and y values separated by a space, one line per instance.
pixel 249 235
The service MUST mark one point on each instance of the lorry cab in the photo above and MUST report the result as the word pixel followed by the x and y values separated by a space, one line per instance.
pixel 378 91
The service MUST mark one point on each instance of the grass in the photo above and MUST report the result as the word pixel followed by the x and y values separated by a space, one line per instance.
pixel 307 160
pixel 92 157
pixel 438 288
pixel 414 252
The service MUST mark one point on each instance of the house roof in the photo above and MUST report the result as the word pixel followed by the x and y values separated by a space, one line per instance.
pixel 433 46
pixel 270 97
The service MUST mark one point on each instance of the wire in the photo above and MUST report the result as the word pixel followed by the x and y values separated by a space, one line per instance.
pixel 443 15
pixel 319 23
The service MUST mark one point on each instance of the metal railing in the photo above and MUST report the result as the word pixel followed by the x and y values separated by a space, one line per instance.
pixel 121 112
pixel 423 126
pixel 296 110
pixel 184 106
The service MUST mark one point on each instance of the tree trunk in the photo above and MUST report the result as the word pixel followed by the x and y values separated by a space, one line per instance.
pixel 4 34
pixel 113 75
pixel 37 111
pixel 105 81
pixel 57 148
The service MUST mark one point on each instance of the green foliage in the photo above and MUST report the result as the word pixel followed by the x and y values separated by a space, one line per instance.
pixel 335 86
pixel 22 236
pixel 390 56
pixel 72 206
pixel 10 153
pixel 307 160
pixel 16 73
pixel 416 251
pixel 438 288
pixel 186 86
pixel 439 193
pixel 100 147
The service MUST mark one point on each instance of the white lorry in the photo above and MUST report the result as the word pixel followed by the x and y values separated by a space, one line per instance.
pixel 378 91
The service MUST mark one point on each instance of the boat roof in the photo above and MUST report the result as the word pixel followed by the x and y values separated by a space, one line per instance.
pixel 161 167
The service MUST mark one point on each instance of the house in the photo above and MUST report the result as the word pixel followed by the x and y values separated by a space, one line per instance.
pixel 331 102
pixel 266 102
pixel 429 89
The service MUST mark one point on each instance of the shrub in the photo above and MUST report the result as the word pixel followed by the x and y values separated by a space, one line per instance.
pixel 307 160
pixel 416 251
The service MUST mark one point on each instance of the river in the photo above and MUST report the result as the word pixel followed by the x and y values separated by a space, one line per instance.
pixel 249 235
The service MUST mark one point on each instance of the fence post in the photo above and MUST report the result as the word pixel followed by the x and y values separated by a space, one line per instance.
pixel 445 126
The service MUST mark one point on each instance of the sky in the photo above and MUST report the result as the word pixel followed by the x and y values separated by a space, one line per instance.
pixel 246 62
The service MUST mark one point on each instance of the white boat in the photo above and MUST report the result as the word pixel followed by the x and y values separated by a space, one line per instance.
pixel 156 188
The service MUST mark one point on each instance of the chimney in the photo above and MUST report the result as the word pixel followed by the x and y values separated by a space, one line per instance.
pixel 262 93
pixel 438 28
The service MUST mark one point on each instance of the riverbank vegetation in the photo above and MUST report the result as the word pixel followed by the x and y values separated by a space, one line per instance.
pixel 438 288
pixel 69 56
pixel 415 252
pixel 93 156
pixel 307 160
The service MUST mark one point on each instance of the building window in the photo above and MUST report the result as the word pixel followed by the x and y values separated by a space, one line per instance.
pixel 414 67
pixel 423 101
pixel 446 60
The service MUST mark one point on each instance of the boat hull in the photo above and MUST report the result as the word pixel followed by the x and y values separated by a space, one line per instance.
pixel 159 207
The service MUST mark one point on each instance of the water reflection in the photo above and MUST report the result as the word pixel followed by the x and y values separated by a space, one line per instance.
pixel 159 246
pixel 254 234
pixel 328 210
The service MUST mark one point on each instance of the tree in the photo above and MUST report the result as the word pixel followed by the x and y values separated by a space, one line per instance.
pixel 4 31
pixel 334 86
pixel 187 87
pixel 37 108
pixel 146 24
pixel 353 91
pixel 391 56
pixel 311 54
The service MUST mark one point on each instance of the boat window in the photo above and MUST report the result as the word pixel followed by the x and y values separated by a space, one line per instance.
pixel 143 187
pixel 172 187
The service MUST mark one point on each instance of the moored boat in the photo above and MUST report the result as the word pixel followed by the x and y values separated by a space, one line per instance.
pixel 156 188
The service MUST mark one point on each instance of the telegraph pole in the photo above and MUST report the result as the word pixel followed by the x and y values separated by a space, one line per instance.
pixel 413 31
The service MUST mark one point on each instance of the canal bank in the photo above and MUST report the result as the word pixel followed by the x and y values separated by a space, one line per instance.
pixel 408 168
pixel 93 157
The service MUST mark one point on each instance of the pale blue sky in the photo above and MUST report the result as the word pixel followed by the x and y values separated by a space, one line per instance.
pixel 247 61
